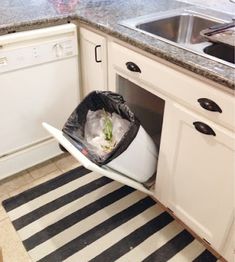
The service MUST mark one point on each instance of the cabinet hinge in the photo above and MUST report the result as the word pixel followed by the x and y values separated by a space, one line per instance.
pixel 169 210
pixel 206 241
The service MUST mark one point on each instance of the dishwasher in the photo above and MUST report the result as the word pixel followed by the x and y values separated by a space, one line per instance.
pixel 39 80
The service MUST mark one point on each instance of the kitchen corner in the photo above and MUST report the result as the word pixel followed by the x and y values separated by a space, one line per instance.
pixel 174 180
pixel 105 16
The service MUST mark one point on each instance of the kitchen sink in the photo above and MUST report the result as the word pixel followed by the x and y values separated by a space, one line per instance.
pixel 182 27
pixel 221 51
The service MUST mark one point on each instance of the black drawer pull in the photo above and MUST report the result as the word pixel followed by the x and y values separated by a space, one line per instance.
pixel 96 47
pixel 209 105
pixel 133 67
pixel 204 128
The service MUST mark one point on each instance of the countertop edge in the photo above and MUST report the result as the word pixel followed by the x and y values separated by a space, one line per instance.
pixel 228 86
pixel 196 70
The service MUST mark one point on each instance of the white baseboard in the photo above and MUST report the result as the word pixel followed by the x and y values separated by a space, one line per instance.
pixel 29 157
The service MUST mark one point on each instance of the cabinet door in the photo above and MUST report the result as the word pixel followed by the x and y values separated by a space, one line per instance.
pixel 93 61
pixel 196 173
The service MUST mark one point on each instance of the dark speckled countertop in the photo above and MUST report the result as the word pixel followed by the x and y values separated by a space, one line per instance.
pixel 104 15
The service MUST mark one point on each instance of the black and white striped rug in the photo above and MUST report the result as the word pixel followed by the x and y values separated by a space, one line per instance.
pixel 81 216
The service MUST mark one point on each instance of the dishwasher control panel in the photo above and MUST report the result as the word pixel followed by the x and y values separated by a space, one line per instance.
pixel 63 49
pixel 33 54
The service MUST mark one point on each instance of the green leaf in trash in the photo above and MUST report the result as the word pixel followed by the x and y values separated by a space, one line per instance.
pixel 108 148
pixel 108 127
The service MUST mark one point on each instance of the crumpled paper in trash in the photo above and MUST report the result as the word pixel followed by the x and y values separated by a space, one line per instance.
pixel 94 131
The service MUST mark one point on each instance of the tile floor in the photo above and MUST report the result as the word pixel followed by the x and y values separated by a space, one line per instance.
pixel 12 248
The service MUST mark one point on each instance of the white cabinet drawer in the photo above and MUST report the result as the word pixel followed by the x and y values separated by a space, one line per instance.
pixel 177 85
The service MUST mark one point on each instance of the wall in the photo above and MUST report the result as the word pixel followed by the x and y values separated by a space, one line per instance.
pixel 220 5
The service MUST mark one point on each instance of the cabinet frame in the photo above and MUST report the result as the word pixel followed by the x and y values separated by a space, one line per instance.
pixel 93 53
pixel 118 55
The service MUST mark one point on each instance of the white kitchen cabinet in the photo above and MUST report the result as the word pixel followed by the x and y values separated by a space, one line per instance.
pixel 170 83
pixel 196 173
pixel 93 61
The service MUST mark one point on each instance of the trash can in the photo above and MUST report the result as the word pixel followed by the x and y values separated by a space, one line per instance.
pixel 135 154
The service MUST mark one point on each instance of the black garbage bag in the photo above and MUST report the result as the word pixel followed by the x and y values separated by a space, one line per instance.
pixel 98 100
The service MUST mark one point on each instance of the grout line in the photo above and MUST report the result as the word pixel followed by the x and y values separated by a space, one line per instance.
pixel 30 175
pixel 58 167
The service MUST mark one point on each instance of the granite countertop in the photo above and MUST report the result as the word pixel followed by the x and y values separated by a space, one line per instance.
pixel 104 15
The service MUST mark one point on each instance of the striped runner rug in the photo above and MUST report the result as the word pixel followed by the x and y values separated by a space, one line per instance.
pixel 82 216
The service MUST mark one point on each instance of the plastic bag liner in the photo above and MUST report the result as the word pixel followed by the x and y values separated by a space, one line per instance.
pixel 110 102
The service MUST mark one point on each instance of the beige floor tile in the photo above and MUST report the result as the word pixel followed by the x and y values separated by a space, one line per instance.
pixel 1 258
pixel 12 247
pixel 3 213
pixel 66 163
pixel 3 197
pixel 14 182
pixel 47 177
pixel 21 189
pixel 37 182
pixel 42 169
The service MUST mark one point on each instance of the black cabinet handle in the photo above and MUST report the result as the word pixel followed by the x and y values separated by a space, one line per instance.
pixel 204 128
pixel 209 105
pixel 96 59
pixel 133 67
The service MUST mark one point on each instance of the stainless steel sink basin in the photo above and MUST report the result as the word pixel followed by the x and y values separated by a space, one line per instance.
pixel 184 28
pixel 181 27
pixel 224 52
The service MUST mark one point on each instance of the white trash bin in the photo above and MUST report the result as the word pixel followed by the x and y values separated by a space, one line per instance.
pixel 135 156
pixel 139 160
